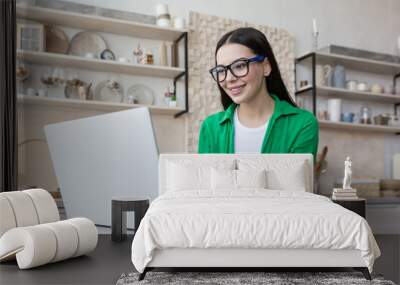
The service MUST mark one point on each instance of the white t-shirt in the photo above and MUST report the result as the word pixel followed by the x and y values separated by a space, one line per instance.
pixel 248 140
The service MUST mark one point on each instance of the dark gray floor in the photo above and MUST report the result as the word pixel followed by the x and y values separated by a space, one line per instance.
pixel 102 266
pixel 111 259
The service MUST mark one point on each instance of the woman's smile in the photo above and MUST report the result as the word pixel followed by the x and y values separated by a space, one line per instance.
pixel 236 90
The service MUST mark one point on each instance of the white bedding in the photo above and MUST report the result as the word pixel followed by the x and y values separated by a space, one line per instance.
pixel 252 218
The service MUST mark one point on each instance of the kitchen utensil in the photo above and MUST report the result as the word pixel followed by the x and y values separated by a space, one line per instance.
pixel 365 115
pixel 348 117
pixel 303 83
pixel 381 119
pixel 147 57
pixel 142 94
pixel 334 109
pixel 323 115
pixel 87 42
pixel 376 88
pixel 362 86
pixel 137 54
pixel 83 91
pixel 56 40
pixel 351 85
pixel 163 54
pixel 105 91
pixel 130 100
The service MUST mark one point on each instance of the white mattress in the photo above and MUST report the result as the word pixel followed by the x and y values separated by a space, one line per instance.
pixel 253 218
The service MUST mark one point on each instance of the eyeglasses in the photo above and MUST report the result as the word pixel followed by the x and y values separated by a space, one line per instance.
pixel 238 68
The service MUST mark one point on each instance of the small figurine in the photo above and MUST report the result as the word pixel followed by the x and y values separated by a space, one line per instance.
pixel 347 174
pixel 346 192
pixel 137 53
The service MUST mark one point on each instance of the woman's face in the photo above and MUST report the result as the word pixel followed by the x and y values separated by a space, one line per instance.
pixel 242 89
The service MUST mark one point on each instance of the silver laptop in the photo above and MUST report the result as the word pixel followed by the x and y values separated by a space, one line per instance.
pixel 99 157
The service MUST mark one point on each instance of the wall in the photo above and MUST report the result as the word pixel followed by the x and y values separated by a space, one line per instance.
pixel 368 24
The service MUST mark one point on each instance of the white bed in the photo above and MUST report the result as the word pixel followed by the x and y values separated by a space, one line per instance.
pixel 202 220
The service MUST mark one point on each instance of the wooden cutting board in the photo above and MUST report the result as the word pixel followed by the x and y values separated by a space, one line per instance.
pixel 396 166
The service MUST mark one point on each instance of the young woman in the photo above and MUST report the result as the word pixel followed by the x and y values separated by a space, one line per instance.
pixel 259 116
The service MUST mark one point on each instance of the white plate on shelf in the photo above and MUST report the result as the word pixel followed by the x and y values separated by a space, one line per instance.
pixel 141 93
pixel 87 42
pixel 104 93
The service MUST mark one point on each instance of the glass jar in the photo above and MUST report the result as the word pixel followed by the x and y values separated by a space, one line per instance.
pixel 365 115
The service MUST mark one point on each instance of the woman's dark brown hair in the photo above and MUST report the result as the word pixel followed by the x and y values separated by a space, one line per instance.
pixel 258 43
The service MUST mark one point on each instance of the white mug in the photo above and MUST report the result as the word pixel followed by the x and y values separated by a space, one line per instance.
pixel 351 85
pixel 179 23
pixel 335 109
pixel 362 86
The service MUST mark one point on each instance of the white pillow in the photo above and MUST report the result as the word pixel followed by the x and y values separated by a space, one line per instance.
pixel 236 179
pixel 251 178
pixel 223 179
pixel 281 174
pixel 187 174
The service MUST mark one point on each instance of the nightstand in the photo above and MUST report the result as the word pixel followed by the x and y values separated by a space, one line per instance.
pixel 119 207
pixel 356 205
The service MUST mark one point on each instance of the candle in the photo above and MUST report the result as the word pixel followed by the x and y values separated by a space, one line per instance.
pixel 314 22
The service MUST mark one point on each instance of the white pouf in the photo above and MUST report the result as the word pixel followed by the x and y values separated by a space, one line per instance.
pixel 31 233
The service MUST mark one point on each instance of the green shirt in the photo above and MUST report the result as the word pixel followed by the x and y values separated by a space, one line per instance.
pixel 290 130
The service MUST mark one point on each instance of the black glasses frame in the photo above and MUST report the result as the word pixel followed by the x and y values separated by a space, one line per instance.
pixel 257 58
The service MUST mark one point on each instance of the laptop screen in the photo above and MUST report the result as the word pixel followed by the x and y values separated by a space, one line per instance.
pixel 104 156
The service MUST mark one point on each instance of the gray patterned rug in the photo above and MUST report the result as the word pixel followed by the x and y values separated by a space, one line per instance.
pixel 273 278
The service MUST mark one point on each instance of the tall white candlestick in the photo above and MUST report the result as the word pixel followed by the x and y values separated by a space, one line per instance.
pixel 314 22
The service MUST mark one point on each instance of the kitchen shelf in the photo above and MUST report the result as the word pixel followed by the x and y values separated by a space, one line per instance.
pixel 98 23
pixel 55 59
pixel 351 95
pixel 92 105
pixel 355 63
pixel 359 127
